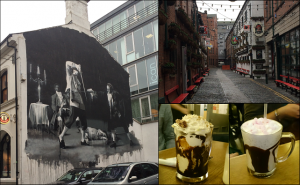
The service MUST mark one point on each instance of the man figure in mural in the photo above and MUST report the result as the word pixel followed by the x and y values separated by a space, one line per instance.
pixel 116 112
pixel 57 101
pixel 77 108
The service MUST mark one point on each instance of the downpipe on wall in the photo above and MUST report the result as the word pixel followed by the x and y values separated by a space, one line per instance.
pixel 16 108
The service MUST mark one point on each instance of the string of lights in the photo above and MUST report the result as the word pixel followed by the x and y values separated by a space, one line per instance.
pixel 216 11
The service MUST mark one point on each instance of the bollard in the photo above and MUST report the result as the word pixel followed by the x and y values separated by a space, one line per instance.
pixel 266 78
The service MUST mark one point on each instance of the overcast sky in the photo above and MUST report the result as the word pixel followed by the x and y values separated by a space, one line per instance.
pixel 22 16
pixel 221 13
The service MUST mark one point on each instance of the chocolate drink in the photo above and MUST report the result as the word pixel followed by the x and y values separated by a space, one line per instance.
pixel 261 139
pixel 193 145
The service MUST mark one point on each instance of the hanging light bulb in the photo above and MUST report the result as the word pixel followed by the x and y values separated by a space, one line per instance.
pixel 224 19
pixel 225 10
pixel 217 9
pixel 208 9
pixel 230 6
pixel 202 4
pixel 221 5
pixel 239 6
pixel 233 10
pixel 212 5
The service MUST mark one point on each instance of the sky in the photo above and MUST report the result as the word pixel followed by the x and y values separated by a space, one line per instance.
pixel 221 13
pixel 22 16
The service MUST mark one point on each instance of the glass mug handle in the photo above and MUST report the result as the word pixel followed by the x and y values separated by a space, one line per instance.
pixel 287 135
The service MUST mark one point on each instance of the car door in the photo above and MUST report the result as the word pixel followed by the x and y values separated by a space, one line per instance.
pixel 149 173
pixel 86 177
pixel 136 171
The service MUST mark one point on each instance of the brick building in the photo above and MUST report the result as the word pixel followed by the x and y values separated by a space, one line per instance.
pixel 229 57
pixel 181 54
pixel 213 35
pixel 282 30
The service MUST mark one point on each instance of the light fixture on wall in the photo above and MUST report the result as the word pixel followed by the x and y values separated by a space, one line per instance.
pixel 149 36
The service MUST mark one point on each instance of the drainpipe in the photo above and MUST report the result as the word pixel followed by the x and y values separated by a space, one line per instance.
pixel 274 48
pixel 16 108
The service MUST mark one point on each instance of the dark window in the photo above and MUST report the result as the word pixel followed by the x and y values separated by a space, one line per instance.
pixel 5 157
pixel 246 16
pixel 136 171
pixel 4 93
pixel 147 170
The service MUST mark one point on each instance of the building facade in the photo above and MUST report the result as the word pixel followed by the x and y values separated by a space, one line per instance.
pixel 224 28
pixel 130 34
pixel 182 55
pixel 282 38
pixel 57 88
pixel 250 50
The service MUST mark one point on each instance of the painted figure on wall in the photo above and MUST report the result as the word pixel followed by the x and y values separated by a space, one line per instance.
pixel 77 108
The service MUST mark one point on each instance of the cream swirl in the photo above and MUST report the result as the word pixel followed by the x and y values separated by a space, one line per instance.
pixel 192 124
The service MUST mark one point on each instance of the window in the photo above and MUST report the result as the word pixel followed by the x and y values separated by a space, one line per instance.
pixel 246 18
pixel 4 93
pixel 148 170
pixel 148 39
pixel 133 80
pixel 115 21
pixel 87 175
pixel 5 157
pixel 108 29
pixel 138 43
pixel 145 109
pixel 143 76
pixel 130 48
pixel 136 171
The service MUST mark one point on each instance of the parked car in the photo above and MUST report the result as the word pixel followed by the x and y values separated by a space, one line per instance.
pixel 78 176
pixel 128 173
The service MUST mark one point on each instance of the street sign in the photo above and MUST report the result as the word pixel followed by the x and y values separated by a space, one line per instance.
pixel 234 40
pixel 203 30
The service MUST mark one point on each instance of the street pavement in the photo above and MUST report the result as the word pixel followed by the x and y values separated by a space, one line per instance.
pixel 226 86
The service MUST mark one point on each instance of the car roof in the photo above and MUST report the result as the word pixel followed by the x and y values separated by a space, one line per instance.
pixel 129 163
pixel 93 168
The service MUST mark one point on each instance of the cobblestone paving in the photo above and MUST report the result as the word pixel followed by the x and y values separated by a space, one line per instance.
pixel 225 86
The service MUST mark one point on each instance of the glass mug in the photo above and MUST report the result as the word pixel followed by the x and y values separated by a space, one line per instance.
pixel 261 151
pixel 192 155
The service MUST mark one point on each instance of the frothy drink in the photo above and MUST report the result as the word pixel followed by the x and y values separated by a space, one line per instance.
pixel 261 140
pixel 193 145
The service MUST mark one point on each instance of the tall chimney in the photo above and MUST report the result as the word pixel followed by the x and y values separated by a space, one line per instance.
pixel 76 13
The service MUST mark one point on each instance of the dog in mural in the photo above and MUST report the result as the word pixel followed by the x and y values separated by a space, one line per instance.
pixel 77 106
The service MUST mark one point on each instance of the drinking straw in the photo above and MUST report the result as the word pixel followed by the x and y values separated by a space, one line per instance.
pixel 265 110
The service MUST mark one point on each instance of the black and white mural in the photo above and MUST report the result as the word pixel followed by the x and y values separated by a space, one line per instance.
pixel 78 100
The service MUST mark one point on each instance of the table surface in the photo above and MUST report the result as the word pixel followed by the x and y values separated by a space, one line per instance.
pixel 287 172
pixel 167 175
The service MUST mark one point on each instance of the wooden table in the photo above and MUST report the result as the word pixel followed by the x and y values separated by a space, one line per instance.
pixel 167 175
pixel 287 172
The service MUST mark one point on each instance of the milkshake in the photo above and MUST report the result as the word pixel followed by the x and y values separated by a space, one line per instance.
pixel 261 140
pixel 193 146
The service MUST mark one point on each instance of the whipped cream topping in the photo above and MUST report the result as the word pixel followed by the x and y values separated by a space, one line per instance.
pixel 192 124
pixel 261 126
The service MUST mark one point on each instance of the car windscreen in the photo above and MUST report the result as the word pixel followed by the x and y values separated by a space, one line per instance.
pixel 112 174
pixel 71 175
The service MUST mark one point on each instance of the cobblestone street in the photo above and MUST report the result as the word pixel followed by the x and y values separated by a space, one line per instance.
pixel 226 86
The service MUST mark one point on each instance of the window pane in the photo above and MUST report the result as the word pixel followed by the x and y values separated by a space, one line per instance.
pixel 113 50
pixel 130 57
pixel 132 77
pixel 106 47
pixel 148 39
pixel 147 170
pixel 131 15
pixel 135 107
pixel 138 43
pixel 155 28
pixel 102 34
pixel 134 90
pixel 4 96
pixel 152 72
pixel 142 78
pixel 154 106
pixel 116 20
pixel 108 29
pixel 95 31
pixel 138 7
pixel 3 81
pixel 145 107
pixel 87 175
pixel 129 43
pixel 123 20
pixel 121 51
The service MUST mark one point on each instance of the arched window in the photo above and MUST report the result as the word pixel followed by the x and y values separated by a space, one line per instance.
pixel 5 168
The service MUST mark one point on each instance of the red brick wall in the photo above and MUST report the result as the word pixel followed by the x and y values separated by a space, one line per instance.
pixel 166 82
pixel 213 52
pixel 280 11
